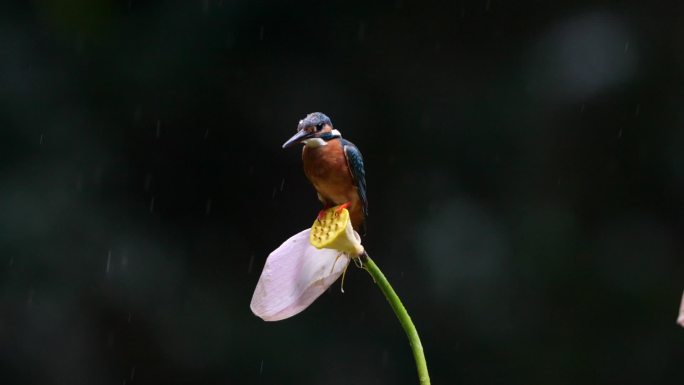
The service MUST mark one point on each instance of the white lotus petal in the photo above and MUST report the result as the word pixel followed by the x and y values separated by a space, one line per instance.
pixel 680 319
pixel 295 274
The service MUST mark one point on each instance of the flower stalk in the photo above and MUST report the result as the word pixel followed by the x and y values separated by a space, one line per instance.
pixel 306 264
pixel 402 315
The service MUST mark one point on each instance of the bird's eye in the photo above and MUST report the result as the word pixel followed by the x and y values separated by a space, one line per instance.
pixel 319 126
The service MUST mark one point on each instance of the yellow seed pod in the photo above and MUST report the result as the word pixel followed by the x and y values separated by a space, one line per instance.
pixel 334 231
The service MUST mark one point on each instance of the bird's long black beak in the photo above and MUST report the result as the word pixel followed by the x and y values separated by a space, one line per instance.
pixel 298 137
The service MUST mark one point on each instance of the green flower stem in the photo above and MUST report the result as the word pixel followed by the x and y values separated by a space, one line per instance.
pixel 402 315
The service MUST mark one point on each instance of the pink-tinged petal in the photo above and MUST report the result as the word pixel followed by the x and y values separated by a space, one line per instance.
pixel 295 274
pixel 680 319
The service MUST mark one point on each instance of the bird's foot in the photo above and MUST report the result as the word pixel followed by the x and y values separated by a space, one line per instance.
pixel 341 207
pixel 321 215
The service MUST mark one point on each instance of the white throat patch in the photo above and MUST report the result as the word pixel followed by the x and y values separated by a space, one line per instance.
pixel 318 142
pixel 315 142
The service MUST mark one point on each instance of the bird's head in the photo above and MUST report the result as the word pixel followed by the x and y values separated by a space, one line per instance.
pixel 313 130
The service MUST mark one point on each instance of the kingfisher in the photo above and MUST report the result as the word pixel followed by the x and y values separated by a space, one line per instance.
pixel 334 166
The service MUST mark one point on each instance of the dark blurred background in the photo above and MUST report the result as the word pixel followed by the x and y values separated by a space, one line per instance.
pixel 524 160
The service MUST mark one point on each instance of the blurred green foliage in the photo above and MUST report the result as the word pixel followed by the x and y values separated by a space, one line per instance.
pixel 534 151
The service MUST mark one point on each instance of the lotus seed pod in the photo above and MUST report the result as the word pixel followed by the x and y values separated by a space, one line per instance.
pixel 334 231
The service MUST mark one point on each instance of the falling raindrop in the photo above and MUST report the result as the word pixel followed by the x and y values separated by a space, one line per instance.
pixel 361 33
pixel 109 261
pixel 42 137
pixel 137 114
pixel 229 41
pixel 425 121
pixel 488 5
pixel 152 205
pixel 206 134
pixel 626 47
pixel 619 135
pixel 132 373
pixel 261 32
pixel 282 184
pixel 582 108
pixel 207 207
pixel 148 182
pixel 80 44
pixel 130 317
pixel 29 300
pixel 11 261
pixel 637 110
pixel 251 264
pixel 261 367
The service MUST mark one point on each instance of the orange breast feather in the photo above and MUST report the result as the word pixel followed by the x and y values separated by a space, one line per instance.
pixel 327 169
